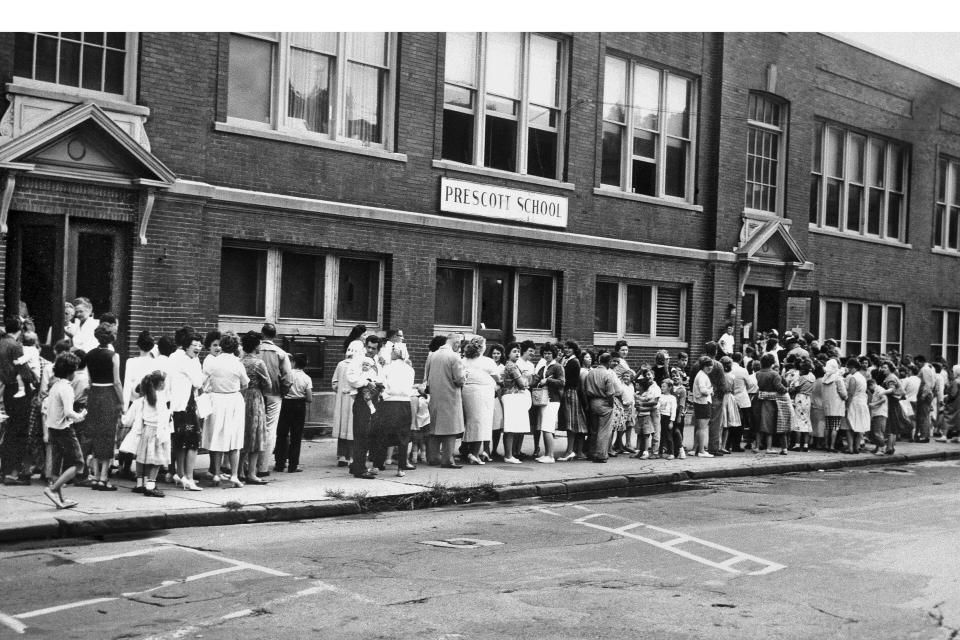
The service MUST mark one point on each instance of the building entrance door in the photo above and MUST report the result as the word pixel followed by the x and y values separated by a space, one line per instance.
pixel 495 307
pixel 761 308
pixel 52 259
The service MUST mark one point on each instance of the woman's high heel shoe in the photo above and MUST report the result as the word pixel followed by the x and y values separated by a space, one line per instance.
pixel 567 458
pixel 233 483
pixel 190 485
pixel 216 481
pixel 474 459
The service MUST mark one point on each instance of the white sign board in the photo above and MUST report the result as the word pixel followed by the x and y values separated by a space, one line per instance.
pixel 470 198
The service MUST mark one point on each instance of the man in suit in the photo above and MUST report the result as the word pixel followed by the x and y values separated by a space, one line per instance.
pixel 445 375
pixel 363 375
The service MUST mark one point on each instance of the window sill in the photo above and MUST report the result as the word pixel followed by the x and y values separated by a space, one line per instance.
pixel 850 236
pixel 636 197
pixel 498 173
pixel 953 253
pixel 766 216
pixel 270 134
pixel 242 324
pixel 636 340
pixel 60 93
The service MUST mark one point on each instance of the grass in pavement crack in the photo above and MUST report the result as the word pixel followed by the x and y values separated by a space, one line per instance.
pixel 437 495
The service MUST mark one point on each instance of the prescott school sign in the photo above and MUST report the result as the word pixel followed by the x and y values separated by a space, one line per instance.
pixel 469 198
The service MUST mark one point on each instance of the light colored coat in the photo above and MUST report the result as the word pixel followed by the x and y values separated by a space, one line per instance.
pixel 444 375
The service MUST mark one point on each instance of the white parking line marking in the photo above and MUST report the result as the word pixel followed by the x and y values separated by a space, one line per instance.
pixel 237 614
pixel 61 607
pixel 12 623
pixel 196 576
pixel 238 563
pixel 681 538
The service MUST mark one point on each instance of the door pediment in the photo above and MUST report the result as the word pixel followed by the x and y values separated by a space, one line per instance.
pixel 771 242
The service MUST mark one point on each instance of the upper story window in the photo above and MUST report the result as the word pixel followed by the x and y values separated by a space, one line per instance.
pixel 649 125
pixel 96 62
pixel 336 86
pixel 946 335
pixel 766 141
pixel 946 215
pixel 502 98
pixel 858 184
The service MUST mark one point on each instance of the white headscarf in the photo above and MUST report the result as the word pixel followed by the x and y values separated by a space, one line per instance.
pixel 832 371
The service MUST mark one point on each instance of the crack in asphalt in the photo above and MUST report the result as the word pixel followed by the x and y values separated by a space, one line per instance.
pixel 833 615
pixel 938 616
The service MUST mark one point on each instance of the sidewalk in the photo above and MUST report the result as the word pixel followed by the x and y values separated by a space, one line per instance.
pixel 323 489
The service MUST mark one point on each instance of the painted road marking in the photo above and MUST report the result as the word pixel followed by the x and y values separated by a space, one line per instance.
pixel 675 541
pixel 14 622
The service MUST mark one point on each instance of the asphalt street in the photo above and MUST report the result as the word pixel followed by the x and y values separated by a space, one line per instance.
pixel 861 553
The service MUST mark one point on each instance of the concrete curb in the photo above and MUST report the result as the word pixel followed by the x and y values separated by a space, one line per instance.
pixel 69 525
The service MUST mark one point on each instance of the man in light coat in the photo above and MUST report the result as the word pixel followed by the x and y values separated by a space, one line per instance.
pixel 280 372
pixel 445 375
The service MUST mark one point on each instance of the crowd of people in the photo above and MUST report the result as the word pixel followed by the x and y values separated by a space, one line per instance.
pixel 773 395
pixel 70 417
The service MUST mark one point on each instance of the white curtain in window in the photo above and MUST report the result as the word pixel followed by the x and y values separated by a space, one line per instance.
pixel 308 101
pixel 363 105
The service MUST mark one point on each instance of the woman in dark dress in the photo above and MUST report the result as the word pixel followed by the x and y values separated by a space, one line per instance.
pixel 255 416
pixel 898 424
pixel 104 404
pixel 573 420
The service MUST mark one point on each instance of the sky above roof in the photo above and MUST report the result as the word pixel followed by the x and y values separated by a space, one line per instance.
pixel 936 53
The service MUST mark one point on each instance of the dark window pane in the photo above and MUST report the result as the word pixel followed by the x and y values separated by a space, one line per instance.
pixel 358 291
pixel 46 63
pixel 93 37
pixel 874 320
pixel 644 144
pixel 936 327
pixel 938 220
pixel 668 313
pixel 611 154
pixel 117 40
pixel 953 327
pixel 814 198
pixel 894 204
pixel 93 68
pixel 639 309
pixel 542 153
pixel 302 285
pixel 874 347
pixel 454 297
pixel 95 269
pixel 69 63
pixel 70 35
pixel 675 183
pixel 833 320
pixel 535 302
pixel 952 355
pixel 644 178
pixel 854 321
pixel 874 209
pixel 954 223
pixel 854 205
pixel 23 55
pixel 457 137
pixel 893 325
pixel 243 277
pixel 832 218
pixel 113 74
pixel 500 145
pixel 605 307
pixel 493 290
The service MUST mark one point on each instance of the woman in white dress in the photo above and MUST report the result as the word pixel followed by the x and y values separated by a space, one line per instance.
pixel 858 408
pixel 478 395
pixel 224 377
pixel 516 402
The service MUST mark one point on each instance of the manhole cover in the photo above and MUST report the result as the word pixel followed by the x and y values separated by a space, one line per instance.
pixel 460 543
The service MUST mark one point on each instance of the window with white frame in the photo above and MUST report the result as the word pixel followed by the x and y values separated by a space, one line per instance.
pixel 297 287
pixel 766 139
pixel 470 298
pixel 649 125
pixel 637 310
pixel 861 327
pixel 946 214
pixel 97 62
pixel 945 327
pixel 335 86
pixel 858 184
pixel 502 97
